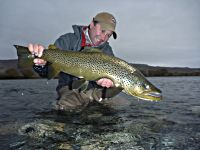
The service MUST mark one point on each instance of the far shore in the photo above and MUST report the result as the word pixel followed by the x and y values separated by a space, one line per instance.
pixel 9 70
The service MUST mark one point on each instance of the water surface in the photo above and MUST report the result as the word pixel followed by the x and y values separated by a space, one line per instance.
pixel 28 119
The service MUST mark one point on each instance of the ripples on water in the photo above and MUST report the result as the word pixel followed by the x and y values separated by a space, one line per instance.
pixel 173 123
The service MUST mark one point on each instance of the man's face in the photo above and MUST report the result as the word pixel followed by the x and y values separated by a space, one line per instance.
pixel 97 35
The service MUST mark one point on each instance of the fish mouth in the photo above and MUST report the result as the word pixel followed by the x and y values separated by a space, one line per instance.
pixel 150 96
pixel 154 95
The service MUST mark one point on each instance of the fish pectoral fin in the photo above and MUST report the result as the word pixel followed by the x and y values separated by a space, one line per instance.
pixel 111 92
pixel 52 72
pixel 80 84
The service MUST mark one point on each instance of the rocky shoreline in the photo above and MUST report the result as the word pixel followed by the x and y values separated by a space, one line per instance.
pixel 9 70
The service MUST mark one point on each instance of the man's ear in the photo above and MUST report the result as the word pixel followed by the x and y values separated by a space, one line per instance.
pixel 91 24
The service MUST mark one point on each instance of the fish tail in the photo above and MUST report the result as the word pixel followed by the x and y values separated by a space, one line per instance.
pixel 25 58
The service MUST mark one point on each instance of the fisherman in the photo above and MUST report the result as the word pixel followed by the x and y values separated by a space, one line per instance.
pixel 96 34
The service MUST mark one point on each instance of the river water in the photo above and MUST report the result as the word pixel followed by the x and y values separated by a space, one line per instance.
pixel 28 119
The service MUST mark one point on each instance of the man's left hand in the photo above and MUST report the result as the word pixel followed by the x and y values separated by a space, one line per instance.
pixel 104 82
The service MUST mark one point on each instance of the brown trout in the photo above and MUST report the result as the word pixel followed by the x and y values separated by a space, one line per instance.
pixel 91 65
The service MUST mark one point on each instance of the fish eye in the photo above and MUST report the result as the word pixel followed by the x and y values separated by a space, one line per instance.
pixel 147 86
pixel 143 85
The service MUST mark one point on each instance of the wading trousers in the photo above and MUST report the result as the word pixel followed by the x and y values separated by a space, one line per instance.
pixel 73 100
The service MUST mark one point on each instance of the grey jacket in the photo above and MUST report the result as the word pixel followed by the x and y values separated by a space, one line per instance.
pixel 72 41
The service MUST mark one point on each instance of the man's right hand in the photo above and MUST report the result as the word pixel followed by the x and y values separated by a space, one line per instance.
pixel 37 50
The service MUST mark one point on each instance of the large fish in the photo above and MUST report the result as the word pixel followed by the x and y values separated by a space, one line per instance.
pixel 90 65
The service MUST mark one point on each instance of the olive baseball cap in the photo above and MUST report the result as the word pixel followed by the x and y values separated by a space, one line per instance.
pixel 107 22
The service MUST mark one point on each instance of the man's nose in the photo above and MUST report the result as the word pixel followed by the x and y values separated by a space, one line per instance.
pixel 103 36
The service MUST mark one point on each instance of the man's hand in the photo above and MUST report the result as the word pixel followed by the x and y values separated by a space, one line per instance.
pixel 37 50
pixel 104 82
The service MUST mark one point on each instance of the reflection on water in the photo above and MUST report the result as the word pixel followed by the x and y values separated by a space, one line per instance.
pixel 28 120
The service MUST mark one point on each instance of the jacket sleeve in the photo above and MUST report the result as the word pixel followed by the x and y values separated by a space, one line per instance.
pixel 107 49
pixel 66 41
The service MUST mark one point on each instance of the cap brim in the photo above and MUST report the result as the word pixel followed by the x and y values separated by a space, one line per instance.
pixel 114 35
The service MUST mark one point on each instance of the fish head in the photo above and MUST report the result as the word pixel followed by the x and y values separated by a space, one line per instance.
pixel 141 88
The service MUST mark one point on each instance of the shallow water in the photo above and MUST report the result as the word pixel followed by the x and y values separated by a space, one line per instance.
pixel 28 120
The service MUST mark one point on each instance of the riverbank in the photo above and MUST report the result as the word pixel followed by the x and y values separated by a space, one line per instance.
pixel 9 70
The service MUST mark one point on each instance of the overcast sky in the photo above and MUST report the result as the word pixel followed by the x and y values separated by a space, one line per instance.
pixel 154 32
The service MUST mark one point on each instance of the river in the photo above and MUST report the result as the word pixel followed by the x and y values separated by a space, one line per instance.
pixel 28 119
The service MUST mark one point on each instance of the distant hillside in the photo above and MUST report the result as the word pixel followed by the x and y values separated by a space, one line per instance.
pixel 9 70
pixel 167 71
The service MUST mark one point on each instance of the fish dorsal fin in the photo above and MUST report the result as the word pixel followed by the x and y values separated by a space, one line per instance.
pixel 52 47
pixel 92 49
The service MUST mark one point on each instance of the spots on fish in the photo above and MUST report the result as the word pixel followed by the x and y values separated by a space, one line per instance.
pixel 93 65
pixel 94 62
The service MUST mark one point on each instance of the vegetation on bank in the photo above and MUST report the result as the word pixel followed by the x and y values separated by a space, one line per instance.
pixel 165 72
